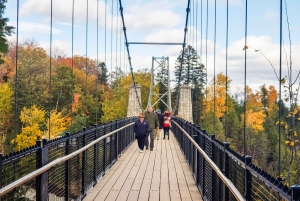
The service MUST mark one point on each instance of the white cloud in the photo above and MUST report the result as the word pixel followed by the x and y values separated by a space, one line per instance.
pixel 271 15
pixel 259 69
pixel 58 47
pixel 33 27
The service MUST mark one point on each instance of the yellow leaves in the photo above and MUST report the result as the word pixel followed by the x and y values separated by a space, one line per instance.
pixel 31 116
pixel 5 101
pixel 295 134
pixel 287 142
pixel 282 81
pixel 295 111
pixel 33 120
pixel 255 120
pixel 292 144
pixel 57 124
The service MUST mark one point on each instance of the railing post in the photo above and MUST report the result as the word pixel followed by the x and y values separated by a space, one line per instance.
pixel 196 162
pixel 95 154
pixel 1 163
pixel 225 171
pixel 295 192
pixel 117 142
pixel 83 162
pixel 110 143
pixel 67 167
pixel 104 149
pixel 212 156
pixel 248 179
pixel 42 180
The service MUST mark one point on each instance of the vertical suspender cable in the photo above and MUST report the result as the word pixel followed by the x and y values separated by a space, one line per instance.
pixel 183 48
pixel 196 87
pixel 50 84
pixel 111 38
pixel 280 104
pixel 226 98
pixel 117 35
pixel 206 59
pixel 72 115
pixel 245 80
pixel 86 57
pixel 215 40
pixel 104 81
pixel 16 76
pixel 201 62
pixel 97 63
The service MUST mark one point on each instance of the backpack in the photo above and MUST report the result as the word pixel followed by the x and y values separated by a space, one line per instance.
pixel 166 122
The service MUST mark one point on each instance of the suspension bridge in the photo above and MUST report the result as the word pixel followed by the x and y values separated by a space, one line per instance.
pixel 103 162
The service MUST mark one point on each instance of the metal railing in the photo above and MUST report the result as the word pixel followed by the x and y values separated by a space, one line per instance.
pixel 65 168
pixel 200 148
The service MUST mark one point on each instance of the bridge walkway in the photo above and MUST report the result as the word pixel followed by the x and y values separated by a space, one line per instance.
pixel 161 174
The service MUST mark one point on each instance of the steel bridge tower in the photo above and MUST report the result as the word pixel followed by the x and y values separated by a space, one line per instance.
pixel 160 64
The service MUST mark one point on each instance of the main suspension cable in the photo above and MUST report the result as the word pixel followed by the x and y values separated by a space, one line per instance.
pixel 128 53
pixel 182 55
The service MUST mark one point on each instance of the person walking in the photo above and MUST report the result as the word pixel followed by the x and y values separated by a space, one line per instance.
pixel 160 120
pixel 141 129
pixel 152 119
pixel 166 124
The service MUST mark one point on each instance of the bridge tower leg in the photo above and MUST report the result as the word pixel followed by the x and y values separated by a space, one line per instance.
pixel 185 103
pixel 134 108
pixel 160 65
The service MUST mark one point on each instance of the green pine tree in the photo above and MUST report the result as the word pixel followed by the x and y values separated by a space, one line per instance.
pixel 4 30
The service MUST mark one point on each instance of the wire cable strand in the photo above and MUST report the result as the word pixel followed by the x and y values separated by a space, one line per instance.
pixel 73 79
pixel 215 79
pixel 97 62
pixel 86 58
pixel 16 76
pixel 280 104
pixel 226 73
pixel 50 83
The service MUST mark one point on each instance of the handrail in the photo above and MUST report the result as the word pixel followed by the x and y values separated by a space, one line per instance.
pixel 227 182
pixel 43 169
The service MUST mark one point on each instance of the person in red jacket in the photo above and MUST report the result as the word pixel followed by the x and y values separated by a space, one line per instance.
pixel 166 124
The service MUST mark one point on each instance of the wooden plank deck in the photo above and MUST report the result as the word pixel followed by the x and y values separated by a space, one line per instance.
pixel 161 174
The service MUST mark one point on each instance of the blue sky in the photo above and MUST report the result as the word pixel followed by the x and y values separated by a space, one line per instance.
pixel 163 21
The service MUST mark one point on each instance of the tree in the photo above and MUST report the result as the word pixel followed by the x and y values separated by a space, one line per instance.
pixel 193 73
pixel 4 30
pixel 5 111
pixel 32 120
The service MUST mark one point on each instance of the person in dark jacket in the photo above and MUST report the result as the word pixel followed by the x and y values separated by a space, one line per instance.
pixel 141 129
pixel 152 119
pixel 160 120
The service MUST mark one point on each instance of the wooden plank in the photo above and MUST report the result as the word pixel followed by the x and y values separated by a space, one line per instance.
pixel 161 174
pixel 108 175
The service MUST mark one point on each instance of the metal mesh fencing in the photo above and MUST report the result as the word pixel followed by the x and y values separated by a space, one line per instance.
pixel 72 179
